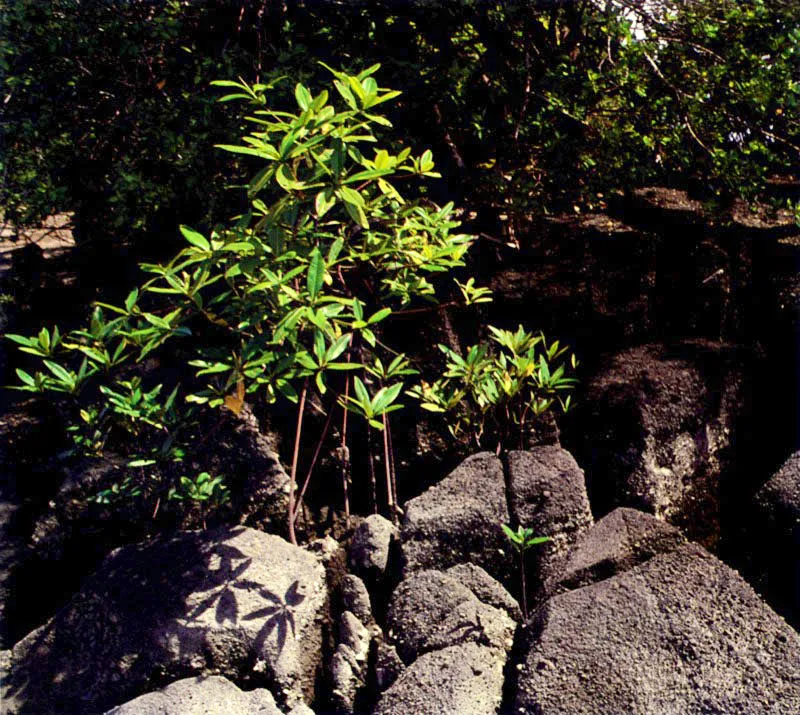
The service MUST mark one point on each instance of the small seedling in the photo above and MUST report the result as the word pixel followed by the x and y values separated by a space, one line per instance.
pixel 204 490
pixel 523 539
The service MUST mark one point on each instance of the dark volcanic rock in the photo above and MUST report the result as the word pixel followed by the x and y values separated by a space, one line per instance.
pixel 431 610
pixel 777 535
pixel 213 695
pixel 371 547
pixel 13 556
pixel 458 521
pixel 235 602
pixel 466 679
pixel 662 421
pixel 681 634
pixel 548 494
pixel 618 542
pixel 487 589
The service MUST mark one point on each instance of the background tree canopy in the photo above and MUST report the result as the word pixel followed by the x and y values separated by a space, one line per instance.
pixel 531 106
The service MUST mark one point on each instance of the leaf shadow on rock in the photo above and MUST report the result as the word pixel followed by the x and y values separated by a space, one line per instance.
pixel 279 614
pixel 132 627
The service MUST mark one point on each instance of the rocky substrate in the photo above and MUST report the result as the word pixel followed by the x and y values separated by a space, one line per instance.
pixel 629 616
pixel 670 584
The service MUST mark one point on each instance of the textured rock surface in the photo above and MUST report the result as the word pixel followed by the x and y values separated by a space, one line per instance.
pixel 355 598
pixel 13 556
pixel 431 610
pixel 777 539
pixel 213 695
pixel 371 547
pixel 780 497
pixel 466 679
pixel 548 494
pixel 681 634
pixel 388 666
pixel 349 663
pixel 458 521
pixel 618 542
pixel 487 589
pixel 235 602
pixel 661 426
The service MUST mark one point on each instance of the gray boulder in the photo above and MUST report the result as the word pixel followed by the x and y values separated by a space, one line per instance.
pixel 547 492
pixel 234 602
pixel 619 541
pixel 466 679
pixel 776 535
pixel 349 663
pixel 661 425
pixel 388 665
pixel 13 556
pixel 371 547
pixel 212 695
pixel 681 634
pixel 355 598
pixel 458 521
pixel 487 589
pixel 431 610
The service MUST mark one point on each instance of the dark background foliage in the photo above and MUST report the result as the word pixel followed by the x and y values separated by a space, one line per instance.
pixel 529 106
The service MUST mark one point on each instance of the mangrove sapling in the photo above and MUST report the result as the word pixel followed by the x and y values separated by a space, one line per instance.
pixel 522 540
pixel 285 303
pixel 491 395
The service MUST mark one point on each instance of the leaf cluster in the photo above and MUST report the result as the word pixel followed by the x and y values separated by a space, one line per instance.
pixel 496 389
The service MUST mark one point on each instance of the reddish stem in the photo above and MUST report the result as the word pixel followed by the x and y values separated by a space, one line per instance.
pixel 314 459
pixel 388 470
pixel 295 456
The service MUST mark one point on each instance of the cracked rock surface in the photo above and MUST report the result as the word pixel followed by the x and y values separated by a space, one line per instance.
pixel 681 634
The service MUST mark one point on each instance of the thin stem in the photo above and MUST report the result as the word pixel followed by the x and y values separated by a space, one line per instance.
pixel 394 470
pixel 344 452
pixel 524 585
pixel 314 459
pixel 295 456
pixel 388 470
pixel 372 481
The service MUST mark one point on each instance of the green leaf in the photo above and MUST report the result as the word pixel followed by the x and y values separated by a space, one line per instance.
pixel 60 372
pixel 379 316
pixel 361 390
pixel 25 377
pixel 316 272
pixel 302 96
pixel 337 348
pixel 141 463
pixel 195 238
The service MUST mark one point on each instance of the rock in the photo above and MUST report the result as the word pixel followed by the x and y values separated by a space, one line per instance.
pixel 354 635
pixel 431 610
pixel 548 494
pixel 355 598
pixel 680 634
pixel 466 679
pixel 13 556
pixel 487 589
pixel 458 521
pixel 73 506
pixel 235 602
pixel 212 695
pixel 301 709
pixel 618 542
pixel 777 538
pixel 779 498
pixel 254 453
pixel 388 665
pixel 371 547
pixel 660 430
pixel 345 681
pixel 349 664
